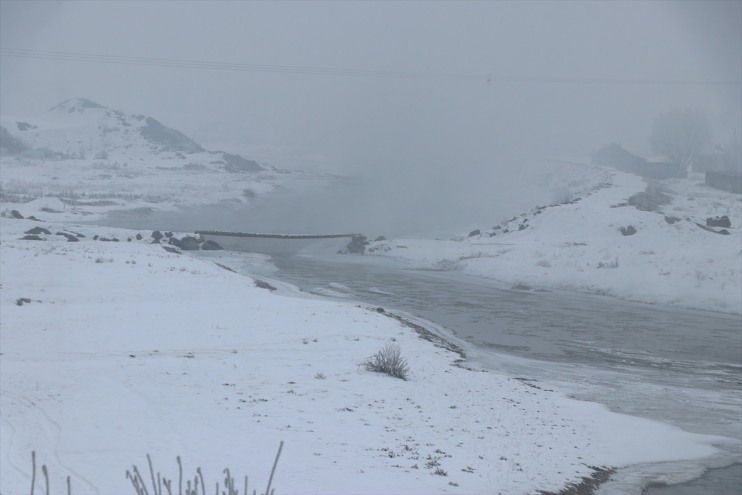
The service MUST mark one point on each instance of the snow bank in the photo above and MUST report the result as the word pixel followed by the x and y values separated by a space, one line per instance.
pixel 110 351
pixel 578 245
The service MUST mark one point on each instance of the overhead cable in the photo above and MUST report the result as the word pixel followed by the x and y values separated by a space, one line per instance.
pixel 345 72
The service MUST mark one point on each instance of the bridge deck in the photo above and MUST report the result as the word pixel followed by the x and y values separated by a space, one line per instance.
pixel 272 236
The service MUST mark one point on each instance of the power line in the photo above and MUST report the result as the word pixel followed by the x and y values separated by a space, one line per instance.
pixel 344 72
pixel 200 64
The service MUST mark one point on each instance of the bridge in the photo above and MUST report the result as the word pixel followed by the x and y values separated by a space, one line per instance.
pixel 275 236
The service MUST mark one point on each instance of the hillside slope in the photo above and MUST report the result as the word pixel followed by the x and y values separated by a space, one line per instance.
pixel 84 153
pixel 81 129
pixel 645 241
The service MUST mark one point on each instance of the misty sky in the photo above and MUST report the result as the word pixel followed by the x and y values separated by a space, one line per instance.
pixel 398 129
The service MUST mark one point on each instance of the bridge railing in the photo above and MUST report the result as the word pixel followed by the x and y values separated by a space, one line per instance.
pixel 272 236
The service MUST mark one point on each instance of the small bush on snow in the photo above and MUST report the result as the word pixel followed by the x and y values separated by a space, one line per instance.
pixel 388 360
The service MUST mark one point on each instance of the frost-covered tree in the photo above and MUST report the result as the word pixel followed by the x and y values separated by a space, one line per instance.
pixel 679 135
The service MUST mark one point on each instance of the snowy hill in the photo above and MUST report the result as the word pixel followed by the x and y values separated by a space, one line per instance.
pixel 82 129
pixel 80 150
pixel 676 242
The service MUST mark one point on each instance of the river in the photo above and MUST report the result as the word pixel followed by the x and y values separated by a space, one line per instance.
pixel 682 367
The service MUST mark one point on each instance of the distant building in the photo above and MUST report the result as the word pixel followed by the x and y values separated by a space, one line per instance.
pixel 726 181
pixel 703 162
pixel 616 156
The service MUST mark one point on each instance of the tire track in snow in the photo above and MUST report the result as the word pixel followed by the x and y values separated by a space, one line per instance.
pixel 38 419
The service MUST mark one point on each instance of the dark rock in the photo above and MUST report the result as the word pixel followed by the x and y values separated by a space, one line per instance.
pixel 357 244
pixel 168 234
pixel 33 218
pixel 722 231
pixel 128 239
pixel 157 235
pixel 189 243
pixel 474 232
pixel 380 238
pixel 139 237
pixel 672 220
pixel 10 144
pixel 211 246
pixel 649 200
pixel 264 285
pixel 75 234
pixel 521 227
pixel 96 237
pixel 167 139
pixel 69 237
pixel 237 163
pixel 174 241
pixel 31 237
pixel 22 301
pixel 104 239
pixel 115 240
pixel 37 231
pixel 226 268
pixel 630 230
pixel 170 249
pixel 15 214
pixel 380 310
pixel 24 126
pixel 722 221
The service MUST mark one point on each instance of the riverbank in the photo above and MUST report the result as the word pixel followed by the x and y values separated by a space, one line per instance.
pixel 673 243
pixel 112 350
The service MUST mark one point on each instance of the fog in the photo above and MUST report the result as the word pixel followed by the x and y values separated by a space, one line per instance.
pixel 549 79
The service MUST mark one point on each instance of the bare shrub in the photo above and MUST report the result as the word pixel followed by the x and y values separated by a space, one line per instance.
pixel 195 487
pixel 388 360
pixel 161 485
pixel 609 264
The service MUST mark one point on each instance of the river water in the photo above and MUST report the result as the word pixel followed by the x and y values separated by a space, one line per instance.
pixel 678 366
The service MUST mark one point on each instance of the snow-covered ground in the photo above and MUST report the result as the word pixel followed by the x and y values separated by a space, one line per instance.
pixel 578 245
pixel 112 350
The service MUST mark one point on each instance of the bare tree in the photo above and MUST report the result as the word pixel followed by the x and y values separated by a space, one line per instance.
pixel 679 135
